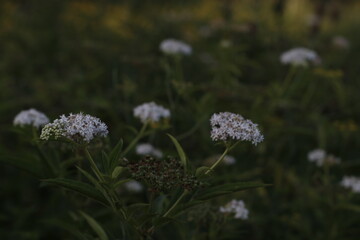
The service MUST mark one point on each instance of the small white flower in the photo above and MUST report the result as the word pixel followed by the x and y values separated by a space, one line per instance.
pixel 229 160
pixel 352 183
pixel 148 149
pixel 151 112
pixel 226 126
pixel 341 42
pixel 134 186
pixel 77 127
pixel 299 57
pixel 31 117
pixel 237 207
pixel 320 157
pixel 172 46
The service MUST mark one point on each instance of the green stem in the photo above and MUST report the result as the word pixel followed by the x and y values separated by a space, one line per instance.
pixel 176 203
pixel 93 165
pixel 218 161
pixel 136 139
pixel 288 78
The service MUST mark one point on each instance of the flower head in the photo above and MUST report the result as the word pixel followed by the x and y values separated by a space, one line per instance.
pixel 172 46
pixel 299 57
pixel 230 126
pixel 352 183
pixel 151 112
pixel 76 127
pixel 320 157
pixel 31 117
pixel 237 207
pixel 148 149
pixel 134 186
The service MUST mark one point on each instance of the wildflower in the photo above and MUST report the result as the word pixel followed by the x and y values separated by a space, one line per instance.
pixel 320 157
pixel 237 207
pixel 151 112
pixel 172 46
pixel 76 127
pixel 352 183
pixel 226 126
pixel 148 149
pixel 229 160
pixel 31 117
pixel 134 186
pixel 299 57
pixel 340 42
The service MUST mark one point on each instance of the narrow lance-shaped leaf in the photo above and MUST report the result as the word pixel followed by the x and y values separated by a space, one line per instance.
pixel 95 226
pixel 180 151
pixel 79 187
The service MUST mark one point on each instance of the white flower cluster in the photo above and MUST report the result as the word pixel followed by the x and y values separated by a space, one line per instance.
pixel 148 149
pixel 226 125
pixel 237 207
pixel 31 117
pixel 151 112
pixel 351 182
pixel 172 46
pixel 299 57
pixel 77 127
pixel 134 186
pixel 320 157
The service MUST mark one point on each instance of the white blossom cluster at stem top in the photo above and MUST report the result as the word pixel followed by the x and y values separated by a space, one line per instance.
pixel 237 207
pixel 320 157
pixel 230 126
pixel 300 57
pixel 172 46
pixel 76 127
pixel 352 183
pixel 31 117
pixel 148 149
pixel 151 112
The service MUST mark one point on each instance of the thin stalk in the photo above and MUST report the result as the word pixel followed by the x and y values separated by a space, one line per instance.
pixel 176 203
pixel 136 139
pixel 288 78
pixel 93 165
pixel 218 161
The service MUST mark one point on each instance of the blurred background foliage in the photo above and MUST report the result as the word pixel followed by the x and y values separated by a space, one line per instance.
pixel 103 58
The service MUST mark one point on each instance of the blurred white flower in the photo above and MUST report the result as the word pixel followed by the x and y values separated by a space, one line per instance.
pixel 340 42
pixel 226 126
pixel 229 160
pixel 237 207
pixel 225 43
pixel 151 112
pixel 31 117
pixel 148 149
pixel 172 46
pixel 320 157
pixel 77 127
pixel 352 183
pixel 299 57
pixel 133 186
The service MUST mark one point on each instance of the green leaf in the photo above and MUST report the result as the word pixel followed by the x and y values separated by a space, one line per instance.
pixel 79 187
pixel 200 171
pixel 227 188
pixel 180 151
pixel 95 226
pixel 117 171
pixel 115 154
